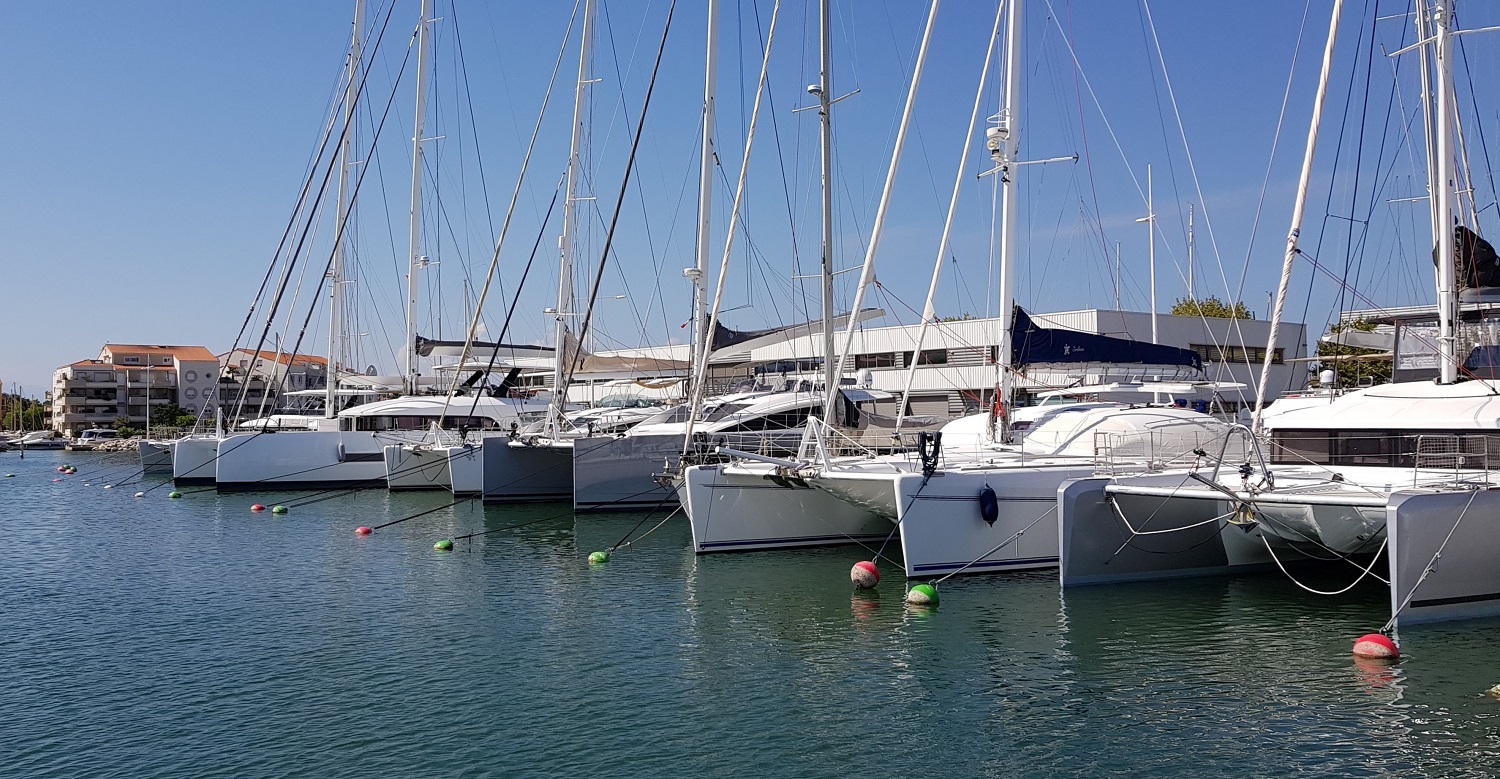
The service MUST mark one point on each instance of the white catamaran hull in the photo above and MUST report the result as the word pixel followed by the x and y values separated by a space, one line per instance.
pixel 195 461
pixel 316 460
pixel 416 467
pixel 156 456
pixel 465 467
pixel 744 507
pixel 943 529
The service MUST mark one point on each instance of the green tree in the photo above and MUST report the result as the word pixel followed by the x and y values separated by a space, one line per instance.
pixel 1350 372
pixel 18 413
pixel 1211 306
pixel 172 415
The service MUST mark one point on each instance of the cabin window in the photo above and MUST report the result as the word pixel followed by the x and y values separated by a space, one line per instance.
pixel 781 420
pixel 1391 448
pixel 1301 446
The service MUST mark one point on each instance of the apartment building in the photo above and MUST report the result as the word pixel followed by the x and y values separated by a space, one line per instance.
pixel 126 381
pixel 265 382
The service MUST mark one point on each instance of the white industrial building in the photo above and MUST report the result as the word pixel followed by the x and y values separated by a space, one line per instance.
pixel 956 370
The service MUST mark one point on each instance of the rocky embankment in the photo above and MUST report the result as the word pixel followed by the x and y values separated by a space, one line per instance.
pixel 117 445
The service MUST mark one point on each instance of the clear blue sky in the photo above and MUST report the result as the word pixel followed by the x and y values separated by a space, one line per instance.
pixel 154 154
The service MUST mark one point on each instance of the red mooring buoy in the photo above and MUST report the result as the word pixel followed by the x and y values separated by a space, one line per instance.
pixel 864 574
pixel 1376 646
pixel 257 507
pixel 362 531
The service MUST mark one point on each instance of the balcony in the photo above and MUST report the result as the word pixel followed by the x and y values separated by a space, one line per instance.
pixel 92 384
pixel 161 378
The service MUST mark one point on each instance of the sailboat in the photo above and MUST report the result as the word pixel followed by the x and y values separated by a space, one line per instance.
pixel 740 498
pixel 980 496
pixel 1335 480
pixel 347 450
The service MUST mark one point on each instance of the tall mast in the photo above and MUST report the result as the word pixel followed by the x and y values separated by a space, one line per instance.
pixel 337 342
pixel 1442 191
pixel 414 264
pixel 1007 131
pixel 702 339
pixel 565 301
pixel 1150 220
pixel 929 308
pixel 825 127
pixel 1297 208
pixel 1192 294
pixel 867 269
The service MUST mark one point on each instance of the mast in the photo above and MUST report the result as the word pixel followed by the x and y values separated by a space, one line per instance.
pixel 565 302
pixel 415 260
pixel 1192 295
pixel 929 309
pixel 1442 176
pixel 702 338
pixel 1005 141
pixel 337 340
pixel 824 90
pixel 1297 208
pixel 1150 220
pixel 700 369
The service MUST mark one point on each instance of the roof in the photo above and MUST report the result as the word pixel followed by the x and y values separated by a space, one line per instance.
pixel 283 358
pixel 179 352
pixel 98 364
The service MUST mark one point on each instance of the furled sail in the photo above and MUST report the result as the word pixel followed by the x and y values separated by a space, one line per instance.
pixel 1031 344
pixel 1478 266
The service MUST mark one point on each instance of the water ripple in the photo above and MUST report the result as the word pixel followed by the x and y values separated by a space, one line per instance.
pixel 187 638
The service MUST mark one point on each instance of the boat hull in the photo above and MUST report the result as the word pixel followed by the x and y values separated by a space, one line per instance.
pixel 156 456
pixel 747 507
pixel 615 473
pixel 943 530
pixel 526 474
pixel 416 468
pixel 465 468
pixel 195 461
pixel 315 460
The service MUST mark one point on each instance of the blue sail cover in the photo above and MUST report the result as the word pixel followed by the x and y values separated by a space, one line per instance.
pixel 1032 344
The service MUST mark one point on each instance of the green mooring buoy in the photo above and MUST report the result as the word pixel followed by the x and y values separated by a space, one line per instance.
pixel 174 494
pixel 598 557
pixel 278 509
pixel 922 595
pixel 443 546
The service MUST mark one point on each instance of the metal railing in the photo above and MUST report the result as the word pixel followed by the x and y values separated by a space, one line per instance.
pixel 1453 459
pixel 1150 451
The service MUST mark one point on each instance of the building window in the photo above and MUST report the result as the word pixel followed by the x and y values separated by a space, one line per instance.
pixel 933 357
pixel 881 360
pixel 132 360
pixel 191 376
pixel 1254 355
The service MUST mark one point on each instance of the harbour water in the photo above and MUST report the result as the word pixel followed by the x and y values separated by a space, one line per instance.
pixel 191 637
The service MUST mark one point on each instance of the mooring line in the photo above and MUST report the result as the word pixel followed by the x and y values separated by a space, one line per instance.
pixel 422 514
